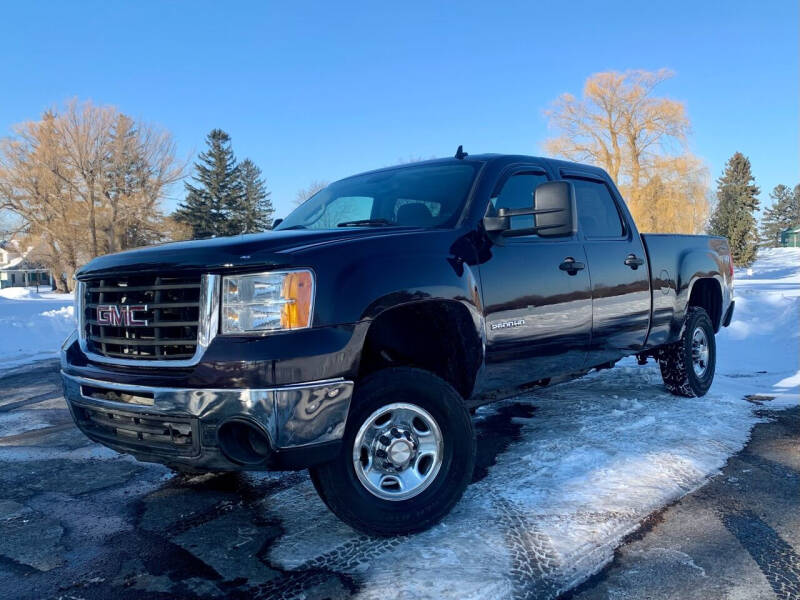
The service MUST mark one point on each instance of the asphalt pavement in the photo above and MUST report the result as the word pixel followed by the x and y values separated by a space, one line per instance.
pixel 79 522
pixel 737 537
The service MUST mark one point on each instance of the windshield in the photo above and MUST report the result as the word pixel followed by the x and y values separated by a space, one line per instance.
pixel 413 196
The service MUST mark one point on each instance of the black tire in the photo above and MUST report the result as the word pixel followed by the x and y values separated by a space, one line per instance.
pixel 677 360
pixel 338 485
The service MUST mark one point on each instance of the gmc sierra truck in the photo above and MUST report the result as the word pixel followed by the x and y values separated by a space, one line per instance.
pixel 356 337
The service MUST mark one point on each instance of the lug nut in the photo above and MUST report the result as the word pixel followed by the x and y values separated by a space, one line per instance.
pixel 381 453
pixel 395 432
pixel 385 440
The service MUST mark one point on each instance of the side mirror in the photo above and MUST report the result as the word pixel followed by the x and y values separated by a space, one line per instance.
pixel 555 212
pixel 553 209
pixel 276 222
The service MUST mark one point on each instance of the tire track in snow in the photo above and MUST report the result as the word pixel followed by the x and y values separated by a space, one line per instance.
pixel 535 564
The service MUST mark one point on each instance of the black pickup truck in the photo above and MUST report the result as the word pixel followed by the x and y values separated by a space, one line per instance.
pixel 356 337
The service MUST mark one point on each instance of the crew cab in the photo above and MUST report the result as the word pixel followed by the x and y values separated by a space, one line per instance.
pixel 357 336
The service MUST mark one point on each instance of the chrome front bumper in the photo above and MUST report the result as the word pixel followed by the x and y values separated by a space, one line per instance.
pixel 175 425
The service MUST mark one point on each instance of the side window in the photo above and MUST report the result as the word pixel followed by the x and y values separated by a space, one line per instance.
pixel 598 215
pixel 517 192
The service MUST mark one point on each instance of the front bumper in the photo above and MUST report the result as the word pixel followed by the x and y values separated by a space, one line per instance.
pixel 303 423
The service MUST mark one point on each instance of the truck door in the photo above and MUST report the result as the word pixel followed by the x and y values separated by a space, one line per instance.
pixel 617 265
pixel 537 295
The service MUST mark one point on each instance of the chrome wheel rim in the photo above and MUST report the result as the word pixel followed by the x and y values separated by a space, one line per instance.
pixel 700 352
pixel 398 451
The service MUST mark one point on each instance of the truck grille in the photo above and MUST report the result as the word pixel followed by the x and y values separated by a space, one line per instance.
pixel 145 432
pixel 172 314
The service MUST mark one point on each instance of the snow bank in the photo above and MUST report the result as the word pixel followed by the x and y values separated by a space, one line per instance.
pixel 32 325
pixel 594 457
pixel 758 353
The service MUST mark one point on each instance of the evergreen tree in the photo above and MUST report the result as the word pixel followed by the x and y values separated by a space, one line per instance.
pixel 255 212
pixel 211 204
pixel 784 213
pixel 733 216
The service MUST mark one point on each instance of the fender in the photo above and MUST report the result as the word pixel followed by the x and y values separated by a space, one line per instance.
pixel 677 263
pixel 409 281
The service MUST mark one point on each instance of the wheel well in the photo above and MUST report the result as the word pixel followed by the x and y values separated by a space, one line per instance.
pixel 438 336
pixel 707 294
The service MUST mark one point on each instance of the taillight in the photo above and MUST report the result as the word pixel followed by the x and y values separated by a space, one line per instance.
pixel 730 266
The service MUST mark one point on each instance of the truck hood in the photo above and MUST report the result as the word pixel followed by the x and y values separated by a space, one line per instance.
pixel 274 249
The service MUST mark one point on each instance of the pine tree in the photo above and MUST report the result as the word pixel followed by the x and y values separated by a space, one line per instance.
pixel 784 213
pixel 255 212
pixel 211 204
pixel 733 216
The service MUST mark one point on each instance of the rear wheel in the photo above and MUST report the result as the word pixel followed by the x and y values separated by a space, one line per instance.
pixel 688 365
pixel 408 454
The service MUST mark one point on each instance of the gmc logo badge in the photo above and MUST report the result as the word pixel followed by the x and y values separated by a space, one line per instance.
pixel 120 315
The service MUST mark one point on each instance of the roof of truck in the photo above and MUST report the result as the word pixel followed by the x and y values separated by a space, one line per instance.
pixel 501 159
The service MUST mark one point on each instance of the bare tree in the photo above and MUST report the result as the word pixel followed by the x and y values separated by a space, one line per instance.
pixel 641 140
pixel 140 167
pixel 36 184
pixel 85 181
pixel 307 192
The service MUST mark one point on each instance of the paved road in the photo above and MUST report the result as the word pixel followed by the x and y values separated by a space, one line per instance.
pixel 736 537
pixel 78 521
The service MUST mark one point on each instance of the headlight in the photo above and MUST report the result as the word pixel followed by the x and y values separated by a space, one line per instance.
pixel 267 301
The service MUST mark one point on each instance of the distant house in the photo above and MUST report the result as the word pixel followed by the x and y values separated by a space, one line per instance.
pixel 18 269
pixel 790 237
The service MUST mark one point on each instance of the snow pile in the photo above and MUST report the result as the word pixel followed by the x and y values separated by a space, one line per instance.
pixel 594 457
pixel 32 325
pixel 17 293
pixel 760 348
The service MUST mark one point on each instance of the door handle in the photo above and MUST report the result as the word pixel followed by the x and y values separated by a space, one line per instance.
pixel 633 261
pixel 571 266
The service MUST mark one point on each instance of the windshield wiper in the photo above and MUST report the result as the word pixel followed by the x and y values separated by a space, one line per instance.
pixel 367 222
pixel 292 227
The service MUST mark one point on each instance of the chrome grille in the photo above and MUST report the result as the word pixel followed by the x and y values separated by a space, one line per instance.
pixel 173 316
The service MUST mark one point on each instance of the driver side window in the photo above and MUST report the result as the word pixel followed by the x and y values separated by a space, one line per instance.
pixel 517 192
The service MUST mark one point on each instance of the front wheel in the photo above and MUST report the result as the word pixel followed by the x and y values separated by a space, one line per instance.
pixel 688 365
pixel 408 454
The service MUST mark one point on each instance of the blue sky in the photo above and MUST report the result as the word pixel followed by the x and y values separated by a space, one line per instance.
pixel 323 90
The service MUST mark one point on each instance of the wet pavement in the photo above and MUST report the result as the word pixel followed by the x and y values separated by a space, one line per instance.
pixel 736 537
pixel 80 521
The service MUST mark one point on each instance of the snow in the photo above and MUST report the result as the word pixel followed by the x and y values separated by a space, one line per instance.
pixel 594 457
pixel 758 353
pixel 591 459
pixel 13 263
pixel 32 324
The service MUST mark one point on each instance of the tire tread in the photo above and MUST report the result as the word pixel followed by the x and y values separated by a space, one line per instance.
pixel 675 359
